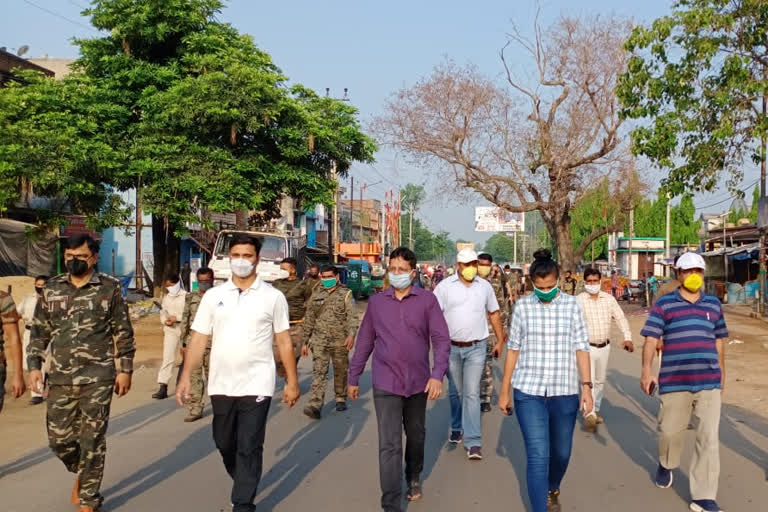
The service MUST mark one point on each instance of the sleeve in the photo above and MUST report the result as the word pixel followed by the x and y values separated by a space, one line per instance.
pixel 186 322
pixel 579 334
pixel 203 322
pixel 349 309
pixel 364 347
pixel 516 329
pixel 654 325
pixel 26 311
pixel 721 330
pixel 122 331
pixel 280 318
pixel 491 304
pixel 309 321
pixel 441 341
pixel 621 320
pixel 39 335
pixel 163 310
pixel 439 294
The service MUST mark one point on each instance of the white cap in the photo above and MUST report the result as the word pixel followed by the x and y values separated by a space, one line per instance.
pixel 690 260
pixel 466 256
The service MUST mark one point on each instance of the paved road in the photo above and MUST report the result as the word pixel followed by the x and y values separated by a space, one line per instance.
pixel 158 463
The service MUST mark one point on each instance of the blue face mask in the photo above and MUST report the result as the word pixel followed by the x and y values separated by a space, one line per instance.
pixel 400 281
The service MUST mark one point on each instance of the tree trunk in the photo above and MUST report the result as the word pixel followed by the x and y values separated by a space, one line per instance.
pixel 565 254
pixel 241 219
pixel 165 248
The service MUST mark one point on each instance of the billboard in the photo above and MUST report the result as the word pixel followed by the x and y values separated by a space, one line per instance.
pixel 492 219
pixel 464 245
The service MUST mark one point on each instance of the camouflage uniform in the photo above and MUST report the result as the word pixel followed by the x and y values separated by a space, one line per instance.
pixel 486 382
pixel 330 319
pixel 83 327
pixel 200 375
pixel 297 293
pixel 567 285
pixel 8 315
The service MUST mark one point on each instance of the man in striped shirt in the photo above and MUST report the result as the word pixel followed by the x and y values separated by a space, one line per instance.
pixel 692 325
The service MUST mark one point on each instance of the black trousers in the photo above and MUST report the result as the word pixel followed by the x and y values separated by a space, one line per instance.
pixel 239 426
pixel 393 414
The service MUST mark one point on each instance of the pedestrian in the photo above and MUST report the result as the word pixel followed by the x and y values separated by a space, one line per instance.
pixel 600 310
pixel 653 287
pixel 199 376
pixel 615 284
pixel 27 311
pixel 439 276
pixel 10 334
pixel 314 276
pixel 568 283
pixel 297 293
pixel 329 332
pixel 548 351
pixel 398 327
pixel 171 313
pixel 468 303
pixel 242 316
pixel 83 318
pixel 692 326
pixel 487 271
pixel 186 272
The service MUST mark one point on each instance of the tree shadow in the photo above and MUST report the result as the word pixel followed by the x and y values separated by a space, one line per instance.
pixel 733 421
pixel 512 446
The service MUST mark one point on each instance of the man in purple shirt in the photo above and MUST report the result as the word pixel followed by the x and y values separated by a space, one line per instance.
pixel 398 327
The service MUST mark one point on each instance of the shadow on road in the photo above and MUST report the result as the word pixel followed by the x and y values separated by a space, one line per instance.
pixel 512 446
pixel 734 421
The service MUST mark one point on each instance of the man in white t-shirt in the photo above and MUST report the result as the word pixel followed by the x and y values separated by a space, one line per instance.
pixel 243 315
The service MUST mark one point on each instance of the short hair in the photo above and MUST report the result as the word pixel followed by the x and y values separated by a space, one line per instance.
pixel 245 240
pixel 329 268
pixel 173 278
pixel 613 271
pixel 507 266
pixel 592 271
pixel 543 265
pixel 291 261
pixel 38 278
pixel 79 239
pixel 406 254
pixel 204 271
pixel 314 265
pixel 485 256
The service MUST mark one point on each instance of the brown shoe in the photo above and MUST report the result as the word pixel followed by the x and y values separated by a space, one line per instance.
pixel 600 419
pixel 553 501
pixel 192 417
pixel 590 422
pixel 75 498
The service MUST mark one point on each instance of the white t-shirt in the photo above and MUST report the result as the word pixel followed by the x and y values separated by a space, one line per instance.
pixel 466 308
pixel 243 325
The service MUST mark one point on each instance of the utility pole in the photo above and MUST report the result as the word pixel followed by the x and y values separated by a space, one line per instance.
pixel 352 208
pixel 524 258
pixel 631 234
pixel 668 245
pixel 725 254
pixel 410 229
pixel 764 143
pixel 139 222
pixel 335 231
pixel 399 220
pixel 362 189
pixel 515 242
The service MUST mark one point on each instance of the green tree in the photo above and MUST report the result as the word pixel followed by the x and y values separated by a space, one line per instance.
pixel 700 78
pixel 501 247
pixel 752 216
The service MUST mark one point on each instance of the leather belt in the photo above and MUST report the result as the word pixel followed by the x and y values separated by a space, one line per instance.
pixel 463 344
pixel 600 345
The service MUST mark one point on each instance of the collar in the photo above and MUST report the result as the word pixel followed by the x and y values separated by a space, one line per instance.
pixel 683 299
pixel 455 277
pixel 93 280
pixel 230 284
pixel 415 290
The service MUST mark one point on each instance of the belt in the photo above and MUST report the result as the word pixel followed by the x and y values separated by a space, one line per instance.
pixel 28 327
pixel 463 343
pixel 600 345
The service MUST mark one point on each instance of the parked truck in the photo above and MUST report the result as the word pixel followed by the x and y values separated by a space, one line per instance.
pixel 274 247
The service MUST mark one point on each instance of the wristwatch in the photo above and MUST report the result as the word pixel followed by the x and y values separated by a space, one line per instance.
pixel 587 383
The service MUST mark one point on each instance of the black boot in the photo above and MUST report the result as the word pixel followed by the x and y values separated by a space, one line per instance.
pixel 162 392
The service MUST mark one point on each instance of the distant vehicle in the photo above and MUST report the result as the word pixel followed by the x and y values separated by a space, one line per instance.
pixel 635 291
pixel 377 277
pixel 274 247
pixel 359 278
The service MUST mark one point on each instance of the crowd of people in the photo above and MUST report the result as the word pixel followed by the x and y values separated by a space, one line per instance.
pixel 239 337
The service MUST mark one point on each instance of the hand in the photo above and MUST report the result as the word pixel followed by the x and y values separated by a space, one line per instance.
pixel 122 384
pixel 497 349
pixel 183 352
pixel 646 380
pixel 628 346
pixel 434 389
pixel 304 350
pixel 168 322
pixel 505 402
pixel 182 390
pixel 290 394
pixel 17 386
pixel 172 319
pixel 349 342
pixel 36 381
pixel 587 402
pixel 353 392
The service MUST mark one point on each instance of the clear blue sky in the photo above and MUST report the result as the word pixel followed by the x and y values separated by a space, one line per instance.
pixel 372 48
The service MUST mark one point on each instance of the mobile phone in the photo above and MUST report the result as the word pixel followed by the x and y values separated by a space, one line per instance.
pixel 652 388
pixel 509 411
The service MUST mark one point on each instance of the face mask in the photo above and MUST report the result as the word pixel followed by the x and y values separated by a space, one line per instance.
pixel 546 296
pixel 469 273
pixel 400 281
pixel 174 290
pixel 39 290
pixel 693 282
pixel 483 270
pixel 241 267
pixel 592 289
pixel 313 276
pixel 329 282
pixel 204 286
pixel 77 267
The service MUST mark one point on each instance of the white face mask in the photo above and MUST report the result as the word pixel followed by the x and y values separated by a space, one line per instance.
pixel 241 267
pixel 175 289
pixel 592 289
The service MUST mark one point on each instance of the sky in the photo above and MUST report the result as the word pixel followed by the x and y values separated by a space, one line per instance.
pixel 372 48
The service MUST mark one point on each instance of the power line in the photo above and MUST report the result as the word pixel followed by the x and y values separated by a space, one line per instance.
pixel 729 198
pixel 54 13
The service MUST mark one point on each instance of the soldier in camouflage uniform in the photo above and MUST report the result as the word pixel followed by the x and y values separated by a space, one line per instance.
pixel 297 293
pixel 200 375
pixel 10 332
pixel 486 270
pixel 82 316
pixel 329 332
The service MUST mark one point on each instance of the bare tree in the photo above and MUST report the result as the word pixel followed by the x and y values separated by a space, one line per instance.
pixel 527 145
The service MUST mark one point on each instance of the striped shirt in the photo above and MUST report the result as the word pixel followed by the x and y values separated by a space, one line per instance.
pixel 547 336
pixel 689 330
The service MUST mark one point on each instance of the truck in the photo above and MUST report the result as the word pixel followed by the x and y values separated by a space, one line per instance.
pixel 274 247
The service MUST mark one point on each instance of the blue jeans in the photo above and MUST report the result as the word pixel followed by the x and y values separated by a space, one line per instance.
pixel 547 425
pixel 464 372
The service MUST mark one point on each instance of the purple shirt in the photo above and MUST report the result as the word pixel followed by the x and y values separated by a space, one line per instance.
pixel 398 332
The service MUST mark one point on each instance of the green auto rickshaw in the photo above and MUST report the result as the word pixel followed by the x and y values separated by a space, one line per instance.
pixel 359 278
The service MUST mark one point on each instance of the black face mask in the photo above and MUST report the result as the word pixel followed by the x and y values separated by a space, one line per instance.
pixel 313 276
pixel 77 267
pixel 39 290
pixel 204 286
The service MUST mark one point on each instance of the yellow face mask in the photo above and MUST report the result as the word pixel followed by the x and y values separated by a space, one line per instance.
pixel 469 273
pixel 693 282
pixel 483 270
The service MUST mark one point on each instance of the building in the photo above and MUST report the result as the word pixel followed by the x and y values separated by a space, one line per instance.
pixel 646 255
pixel 60 67
pixel 9 62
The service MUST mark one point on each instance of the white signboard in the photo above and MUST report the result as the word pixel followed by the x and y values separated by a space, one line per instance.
pixel 491 219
